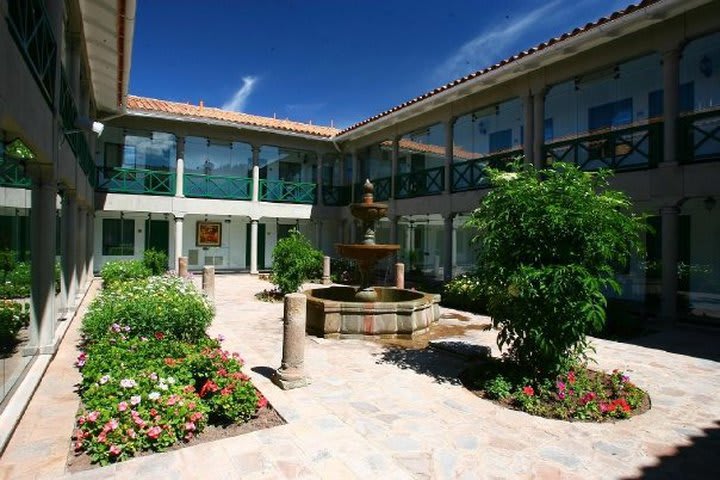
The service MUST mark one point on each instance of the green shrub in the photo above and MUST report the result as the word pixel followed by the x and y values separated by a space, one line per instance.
pixel 13 317
pixel 165 304
pixel 7 261
pixel 156 261
pixel 465 292
pixel 549 242
pixel 294 262
pixel 117 271
pixel 15 283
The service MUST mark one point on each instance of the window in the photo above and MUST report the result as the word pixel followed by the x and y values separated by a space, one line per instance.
pixel 610 114
pixel 501 140
pixel 118 236
pixel 113 155
pixel 686 99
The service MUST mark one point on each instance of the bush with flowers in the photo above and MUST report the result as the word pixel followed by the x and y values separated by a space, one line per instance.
pixel 167 304
pixel 116 272
pixel 146 389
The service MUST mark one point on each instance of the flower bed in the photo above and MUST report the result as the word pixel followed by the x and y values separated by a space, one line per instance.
pixel 146 389
pixel 579 394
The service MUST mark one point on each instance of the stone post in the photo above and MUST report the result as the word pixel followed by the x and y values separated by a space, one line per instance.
pixel 326 271
pixel 291 373
pixel 399 275
pixel 182 267
pixel 208 281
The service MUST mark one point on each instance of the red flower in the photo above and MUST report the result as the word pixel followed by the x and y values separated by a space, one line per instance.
pixel 528 390
pixel 262 402
pixel 571 377
pixel 209 387
pixel 159 335
pixel 226 391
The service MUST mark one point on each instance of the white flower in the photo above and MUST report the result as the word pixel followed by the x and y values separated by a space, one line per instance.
pixel 162 386
pixel 128 383
pixel 170 380
pixel 135 399
pixel 104 379
pixel 154 395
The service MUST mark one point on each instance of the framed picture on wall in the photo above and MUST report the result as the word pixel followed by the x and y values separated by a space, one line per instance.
pixel 209 234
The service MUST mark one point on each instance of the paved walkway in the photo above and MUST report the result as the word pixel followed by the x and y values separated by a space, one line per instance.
pixel 375 412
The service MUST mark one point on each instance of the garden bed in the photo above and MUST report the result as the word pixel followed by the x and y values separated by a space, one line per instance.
pixel 581 394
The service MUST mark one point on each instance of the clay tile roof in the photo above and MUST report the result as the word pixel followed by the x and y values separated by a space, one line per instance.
pixel 144 104
pixel 577 31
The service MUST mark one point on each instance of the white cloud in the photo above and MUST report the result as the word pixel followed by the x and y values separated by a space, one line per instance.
pixel 489 46
pixel 239 98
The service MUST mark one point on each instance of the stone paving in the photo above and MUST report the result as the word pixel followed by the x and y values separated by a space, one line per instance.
pixel 378 412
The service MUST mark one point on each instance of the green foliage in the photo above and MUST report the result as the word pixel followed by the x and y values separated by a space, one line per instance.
pixel 498 387
pixel 294 262
pixel 117 271
pixel 156 261
pixel 344 270
pixel 549 242
pixel 7 261
pixel 13 317
pixel 166 304
pixel 465 292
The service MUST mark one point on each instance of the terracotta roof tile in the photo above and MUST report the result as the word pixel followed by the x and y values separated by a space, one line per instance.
pixel 577 31
pixel 135 103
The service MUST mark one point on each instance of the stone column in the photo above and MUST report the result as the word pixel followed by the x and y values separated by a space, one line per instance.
pixel 42 273
pixel 395 154
pixel 671 103
pixel 669 249
pixel 208 281
pixel 69 234
pixel 291 373
pixel 178 240
pixel 180 168
pixel 449 135
pixel 528 128
pixel 399 275
pixel 326 271
pixel 539 128
pixel 80 254
pixel 448 248
pixel 255 173
pixel 253 247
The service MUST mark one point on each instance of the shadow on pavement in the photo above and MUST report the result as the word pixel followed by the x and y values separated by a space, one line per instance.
pixel 442 366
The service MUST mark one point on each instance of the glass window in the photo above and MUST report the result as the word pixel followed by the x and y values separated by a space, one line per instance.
pixel 289 165
pixel 375 161
pixel 216 157
pixel 118 236
pixel 700 65
pixel 610 114
pixel 422 149
pixel 138 149
pixel 488 130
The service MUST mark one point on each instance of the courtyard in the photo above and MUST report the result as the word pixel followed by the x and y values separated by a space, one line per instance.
pixel 374 410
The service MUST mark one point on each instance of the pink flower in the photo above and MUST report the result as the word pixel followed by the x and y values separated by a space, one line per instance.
pixel 102 438
pixel 81 359
pixel 528 390
pixel 560 386
pixel 189 426
pixel 81 420
pixel 93 416
pixel 154 432
pixel 112 424
pixel 131 433
pixel 571 377
pixel 262 402
pixel 115 450
pixel 135 399
pixel 122 406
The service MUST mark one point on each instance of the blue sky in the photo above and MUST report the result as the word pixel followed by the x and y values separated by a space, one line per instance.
pixel 332 60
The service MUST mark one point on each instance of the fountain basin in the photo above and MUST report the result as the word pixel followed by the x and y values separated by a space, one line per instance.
pixel 334 312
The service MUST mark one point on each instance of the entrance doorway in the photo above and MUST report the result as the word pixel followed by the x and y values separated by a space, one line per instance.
pixel 261 246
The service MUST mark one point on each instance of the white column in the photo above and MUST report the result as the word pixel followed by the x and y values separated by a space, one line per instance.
pixel 255 173
pixel 180 168
pixel 528 128
pixel 178 241
pixel 449 134
pixel 253 247
pixel 538 128
pixel 448 248
pixel 671 88
pixel 69 233
pixel 669 250
pixel 42 252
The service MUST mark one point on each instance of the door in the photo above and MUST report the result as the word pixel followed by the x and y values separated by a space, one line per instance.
pixel 157 235
pixel 261 246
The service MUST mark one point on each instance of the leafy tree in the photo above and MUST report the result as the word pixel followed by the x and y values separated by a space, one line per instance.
pixel 549 244
pixel 294 261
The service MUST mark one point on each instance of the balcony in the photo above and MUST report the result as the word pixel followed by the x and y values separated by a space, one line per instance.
pixel 30 27
pixel 224 187
pixel 12 173
pixel 636 147
pixel 287 192
pixel 430 181
pixel 336 196
pixel 136 180
pixel 700 136
pixel 471 175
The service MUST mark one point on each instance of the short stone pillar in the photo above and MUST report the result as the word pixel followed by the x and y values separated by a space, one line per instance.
pixel 291 373
pixel 326 271
pixel 182 267
pixel 208 281
pixel 399 275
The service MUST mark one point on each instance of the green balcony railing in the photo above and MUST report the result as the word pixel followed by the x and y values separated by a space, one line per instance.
pixel 136 180
pixel 430 181
pixel 336 196
pixel 471 175
pixel 632 148
pixel 30 27
pixel 12 172
pixel 381 192
pixel 288 192
pixel 217 186
pixel 700 136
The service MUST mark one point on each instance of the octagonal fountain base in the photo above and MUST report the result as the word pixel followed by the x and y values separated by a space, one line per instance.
pixel 334 312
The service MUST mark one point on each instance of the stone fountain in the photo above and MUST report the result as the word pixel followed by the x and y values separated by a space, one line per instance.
pixel 343 311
